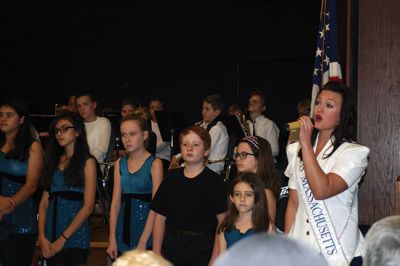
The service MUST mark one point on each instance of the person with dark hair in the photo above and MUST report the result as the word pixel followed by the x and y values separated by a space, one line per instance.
pixel 259 124
pixel 129 107
pixel 69 193
pixel 98 129
pixel 247 211
pixel 163 150
pixel 211 112
pixel 137 177
pixel 235 109
pixel 189 205
pixel 21 164
pixel 71 105
pixel 325 168
pixel 254 154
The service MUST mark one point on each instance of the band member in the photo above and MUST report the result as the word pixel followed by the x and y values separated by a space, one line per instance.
pixel 259 124
pixel 21 164
pixel 98 129
pixel 325 169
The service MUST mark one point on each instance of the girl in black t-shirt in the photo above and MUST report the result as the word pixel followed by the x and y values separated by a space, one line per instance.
pixel 189 205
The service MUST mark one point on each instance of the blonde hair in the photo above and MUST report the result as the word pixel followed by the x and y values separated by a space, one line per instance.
pixel 140 257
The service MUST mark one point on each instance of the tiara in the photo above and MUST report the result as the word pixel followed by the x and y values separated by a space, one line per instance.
pixel 253 141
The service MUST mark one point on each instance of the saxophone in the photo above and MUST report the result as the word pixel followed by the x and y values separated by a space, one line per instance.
pixel 243 123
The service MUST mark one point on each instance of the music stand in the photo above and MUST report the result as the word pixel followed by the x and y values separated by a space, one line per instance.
pixel 170 124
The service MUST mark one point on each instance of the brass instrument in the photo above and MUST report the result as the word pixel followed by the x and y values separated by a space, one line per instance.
pixel 243 123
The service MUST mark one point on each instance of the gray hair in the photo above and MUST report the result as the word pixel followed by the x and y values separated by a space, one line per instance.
pixel 267 249
pixel 382 243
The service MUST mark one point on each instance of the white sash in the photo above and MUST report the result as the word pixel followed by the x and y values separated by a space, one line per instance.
pixel 321 224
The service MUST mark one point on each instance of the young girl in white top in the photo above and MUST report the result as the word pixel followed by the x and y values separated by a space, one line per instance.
pixel 247 211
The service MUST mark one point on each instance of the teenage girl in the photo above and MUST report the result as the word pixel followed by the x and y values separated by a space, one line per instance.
pixel 136 180
pixel 21 164
pixel 247 210
pixel 69 193
pixel 254 154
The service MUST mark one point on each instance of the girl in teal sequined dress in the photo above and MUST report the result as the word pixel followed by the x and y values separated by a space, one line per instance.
pixel 247 211
pixel 69 196
pixel 136 179
pixel 21 163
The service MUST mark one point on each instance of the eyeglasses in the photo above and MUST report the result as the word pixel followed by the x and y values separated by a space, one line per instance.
pixel 63 129
pixel 242 155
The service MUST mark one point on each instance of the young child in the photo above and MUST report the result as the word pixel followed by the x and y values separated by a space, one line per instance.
pixel 136 179
pixel 69 195
pixel 254 154
pixel 189 205
pixel 247 210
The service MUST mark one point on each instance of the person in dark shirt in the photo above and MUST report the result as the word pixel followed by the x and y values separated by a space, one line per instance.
pixel 189 204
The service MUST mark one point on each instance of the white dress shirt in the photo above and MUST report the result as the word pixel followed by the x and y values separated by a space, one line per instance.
pixel 266 129
pixel 98 135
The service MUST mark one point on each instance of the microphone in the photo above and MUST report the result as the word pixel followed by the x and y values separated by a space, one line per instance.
pixel 295 125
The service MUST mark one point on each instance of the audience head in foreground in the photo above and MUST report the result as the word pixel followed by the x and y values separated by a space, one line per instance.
pixel 267 249
pixel 382 243
pixel 140 257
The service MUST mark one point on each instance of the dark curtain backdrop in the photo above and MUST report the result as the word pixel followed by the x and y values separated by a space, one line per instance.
pixel 177 53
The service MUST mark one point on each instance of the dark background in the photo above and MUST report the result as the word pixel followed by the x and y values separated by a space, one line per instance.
pixel 177 52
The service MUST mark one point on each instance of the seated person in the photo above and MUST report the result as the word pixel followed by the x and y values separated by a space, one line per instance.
pixel 98 129
pixel 163 149
pixel 259 124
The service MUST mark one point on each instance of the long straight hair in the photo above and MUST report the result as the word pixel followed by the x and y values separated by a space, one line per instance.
pixel 260 215
pixel 74 172
pixel 23 139
pixel 266 167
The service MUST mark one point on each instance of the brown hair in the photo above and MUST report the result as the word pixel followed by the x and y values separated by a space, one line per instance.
pixel 261 95
pixel 266 167
pixel 260 215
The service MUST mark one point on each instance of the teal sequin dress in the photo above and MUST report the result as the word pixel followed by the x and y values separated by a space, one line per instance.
pixel 64 204
pixel 23 220
pixel 234 235
pixel 136 197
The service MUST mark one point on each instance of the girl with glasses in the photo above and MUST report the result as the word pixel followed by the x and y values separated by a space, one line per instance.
pixel 254 155
pixel 247 211
pixel 21 163
pixel 69 193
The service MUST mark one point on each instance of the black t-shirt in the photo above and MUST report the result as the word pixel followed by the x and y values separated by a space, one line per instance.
pixel 191 203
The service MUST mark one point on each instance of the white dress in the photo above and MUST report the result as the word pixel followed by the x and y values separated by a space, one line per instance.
pixel 349 162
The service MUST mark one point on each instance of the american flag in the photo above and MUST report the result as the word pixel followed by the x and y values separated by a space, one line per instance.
pixel 326 65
